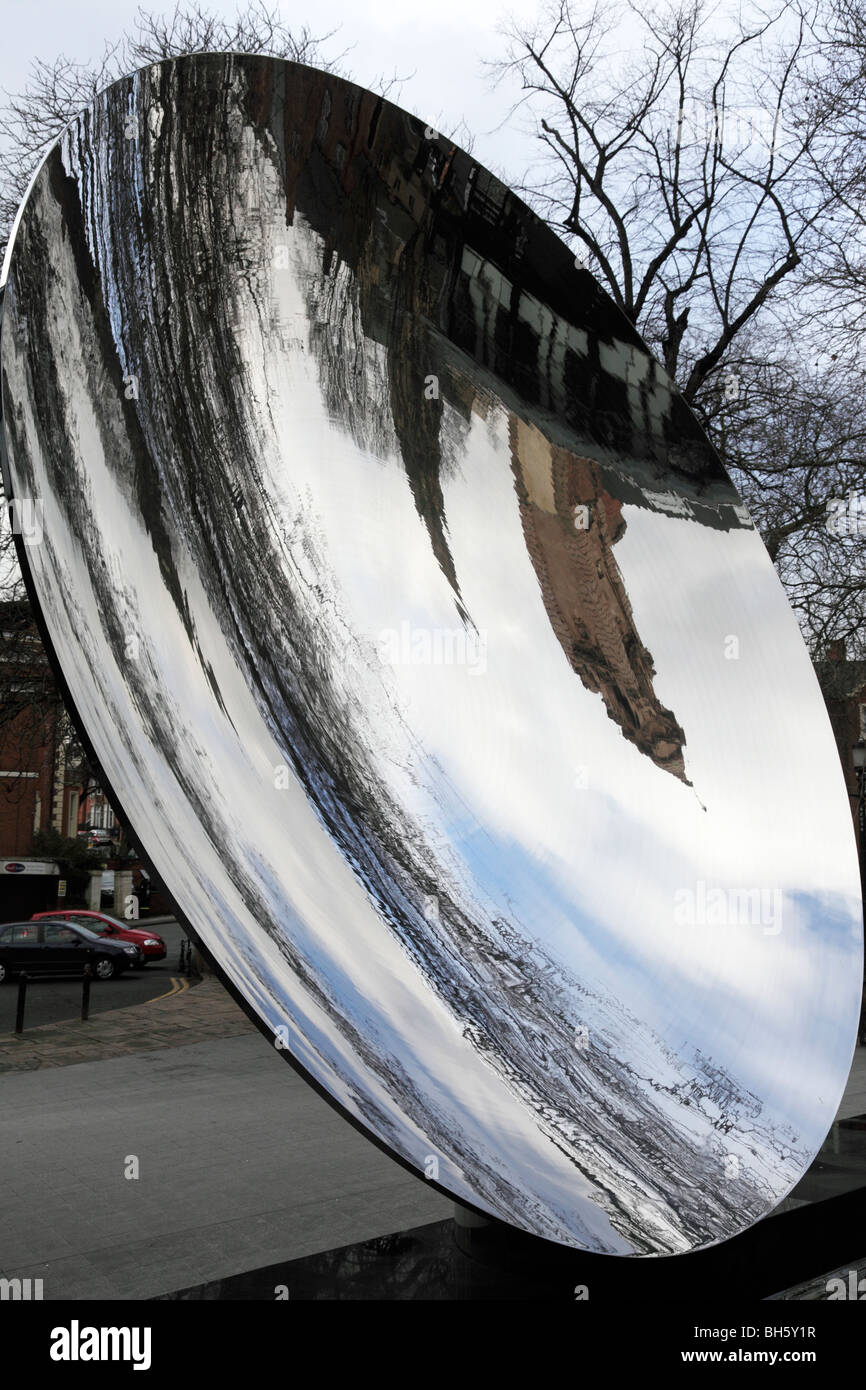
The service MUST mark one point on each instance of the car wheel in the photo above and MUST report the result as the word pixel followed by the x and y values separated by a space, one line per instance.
pixel 2 972
pixel 104 968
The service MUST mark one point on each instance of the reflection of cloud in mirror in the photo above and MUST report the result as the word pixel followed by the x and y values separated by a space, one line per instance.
pixel 434 732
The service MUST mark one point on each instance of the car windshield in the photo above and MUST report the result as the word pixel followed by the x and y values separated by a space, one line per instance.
pixel 95 924
pixel 85 931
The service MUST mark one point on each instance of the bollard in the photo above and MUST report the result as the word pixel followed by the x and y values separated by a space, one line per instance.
pixel 85 994
pixel 22 995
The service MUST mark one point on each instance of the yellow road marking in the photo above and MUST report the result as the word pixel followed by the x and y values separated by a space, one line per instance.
pixel 177 987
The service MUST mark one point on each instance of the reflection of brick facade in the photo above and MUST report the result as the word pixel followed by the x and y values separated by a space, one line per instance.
pixel 571 526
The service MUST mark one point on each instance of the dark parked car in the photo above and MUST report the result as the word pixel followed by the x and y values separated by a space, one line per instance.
pixel 58 948
pixel 150 943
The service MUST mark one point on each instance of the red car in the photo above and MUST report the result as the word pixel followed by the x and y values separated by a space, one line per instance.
pixel 150 945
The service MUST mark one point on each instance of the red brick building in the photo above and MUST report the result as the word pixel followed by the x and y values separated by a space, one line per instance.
pixel 35 740
pixel 45 783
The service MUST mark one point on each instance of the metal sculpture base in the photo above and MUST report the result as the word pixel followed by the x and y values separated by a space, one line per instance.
pixel 470 1259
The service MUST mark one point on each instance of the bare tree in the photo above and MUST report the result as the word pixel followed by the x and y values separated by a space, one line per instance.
pixel 677 171
pixel 794 438
pixel 31 120
pixel 709 183
pixel 835 99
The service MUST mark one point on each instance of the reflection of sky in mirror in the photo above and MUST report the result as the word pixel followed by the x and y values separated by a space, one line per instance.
pixel 509 737
pixel 502 782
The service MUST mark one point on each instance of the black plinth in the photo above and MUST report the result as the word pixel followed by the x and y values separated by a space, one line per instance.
pixel 449 1260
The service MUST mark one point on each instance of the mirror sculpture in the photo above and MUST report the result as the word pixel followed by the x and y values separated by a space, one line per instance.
pixel 429 655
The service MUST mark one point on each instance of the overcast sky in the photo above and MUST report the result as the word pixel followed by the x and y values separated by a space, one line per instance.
pixel 438 47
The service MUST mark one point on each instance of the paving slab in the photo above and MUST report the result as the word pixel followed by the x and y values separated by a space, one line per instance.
pixel 240 1164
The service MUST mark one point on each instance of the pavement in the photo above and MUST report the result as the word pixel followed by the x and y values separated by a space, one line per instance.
pixel 207 1012
pixel 169 1144
pixel 239 1162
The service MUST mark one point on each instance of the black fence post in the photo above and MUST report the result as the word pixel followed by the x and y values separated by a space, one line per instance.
pixel 85 994
pixel 22 996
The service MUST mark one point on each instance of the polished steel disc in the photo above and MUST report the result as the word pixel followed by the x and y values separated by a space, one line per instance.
pixel 429 655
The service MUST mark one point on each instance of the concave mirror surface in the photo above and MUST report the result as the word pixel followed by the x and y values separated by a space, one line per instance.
pixel 429 655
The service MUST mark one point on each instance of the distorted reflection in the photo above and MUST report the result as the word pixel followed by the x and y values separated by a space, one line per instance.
pixel 462 682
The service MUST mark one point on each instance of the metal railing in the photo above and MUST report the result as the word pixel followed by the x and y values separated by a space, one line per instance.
pixel 24 980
